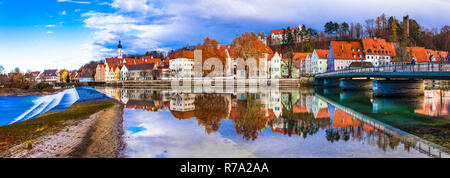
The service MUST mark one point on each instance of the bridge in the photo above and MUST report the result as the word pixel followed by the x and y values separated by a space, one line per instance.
pixel 393 79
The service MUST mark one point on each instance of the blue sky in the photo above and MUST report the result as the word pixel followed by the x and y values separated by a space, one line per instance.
pixel 35 35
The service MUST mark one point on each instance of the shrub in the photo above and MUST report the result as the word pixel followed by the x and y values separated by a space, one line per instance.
pixel 43 85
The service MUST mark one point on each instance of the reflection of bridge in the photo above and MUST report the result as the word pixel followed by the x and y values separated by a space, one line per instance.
pixel 414 72
pixel 423 146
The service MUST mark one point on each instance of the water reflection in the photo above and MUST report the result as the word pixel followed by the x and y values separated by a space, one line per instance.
pixel 322 122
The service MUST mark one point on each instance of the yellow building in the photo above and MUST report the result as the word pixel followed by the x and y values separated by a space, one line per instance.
pixel 64 76
pixel 117 74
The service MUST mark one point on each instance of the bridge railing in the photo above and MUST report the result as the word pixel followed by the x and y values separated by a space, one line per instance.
pixel 421 67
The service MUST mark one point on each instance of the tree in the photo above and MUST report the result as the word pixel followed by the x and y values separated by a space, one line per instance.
pixel 248 45
pixel 210 49
pixel 330 28
pixel 2 70
pixel 68 78
pixel 370 27
pixel 16 70
pixel 394 29
pixel 358 30
pixel 312 32
pixel 344 29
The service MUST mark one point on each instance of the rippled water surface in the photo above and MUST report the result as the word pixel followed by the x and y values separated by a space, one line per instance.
pixel 288 123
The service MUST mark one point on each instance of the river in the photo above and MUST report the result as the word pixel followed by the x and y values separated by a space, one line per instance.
pixel 283 123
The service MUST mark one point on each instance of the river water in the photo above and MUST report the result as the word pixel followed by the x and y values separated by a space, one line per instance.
pixel 283 123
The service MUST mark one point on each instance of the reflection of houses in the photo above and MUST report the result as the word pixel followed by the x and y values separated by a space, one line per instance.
pixel 148 105
pixel 182 102
pixel 434 104
pixel 342 120
pixel 319 108
pixel 182 106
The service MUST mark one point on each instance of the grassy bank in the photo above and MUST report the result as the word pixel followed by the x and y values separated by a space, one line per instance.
pixel 48 123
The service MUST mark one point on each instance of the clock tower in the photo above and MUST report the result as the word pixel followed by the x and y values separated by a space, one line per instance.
pixel 120 50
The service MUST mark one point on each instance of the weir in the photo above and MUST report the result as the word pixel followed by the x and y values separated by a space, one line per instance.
pixel 32 106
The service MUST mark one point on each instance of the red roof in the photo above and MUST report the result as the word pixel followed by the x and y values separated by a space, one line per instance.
pixel 433 53
pixel 300 109
pixel 419 53
pixel 443 54
pixel 378 46
pixel 280 31
pixel 322 53
pixel 182 54
pixel 300 56
pixel 347 50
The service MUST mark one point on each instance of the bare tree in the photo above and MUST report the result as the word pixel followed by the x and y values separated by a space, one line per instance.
pixel 370 27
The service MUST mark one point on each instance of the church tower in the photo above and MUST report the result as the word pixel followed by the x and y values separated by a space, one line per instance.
pixel 120 50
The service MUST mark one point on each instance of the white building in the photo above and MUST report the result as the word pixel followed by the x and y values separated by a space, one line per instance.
pixel 378 51
pixel 277 35
pixel 274 66
pixel 181 64
pixel 124 73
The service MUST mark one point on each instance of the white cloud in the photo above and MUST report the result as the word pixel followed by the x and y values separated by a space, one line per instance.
pixel 49 32
pixel 77 10
pixel 78 2
pixel 146 24
pixel 64 12
pixel 50 26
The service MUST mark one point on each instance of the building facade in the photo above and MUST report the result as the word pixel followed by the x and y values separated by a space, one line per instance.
pixel 378 51
pixel 342 54
pixel 100 73
pixel 319 61
pixel 181 64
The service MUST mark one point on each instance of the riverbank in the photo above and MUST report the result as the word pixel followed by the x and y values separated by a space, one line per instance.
pixel 91 129
pixel 31 92
pixel 166 84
